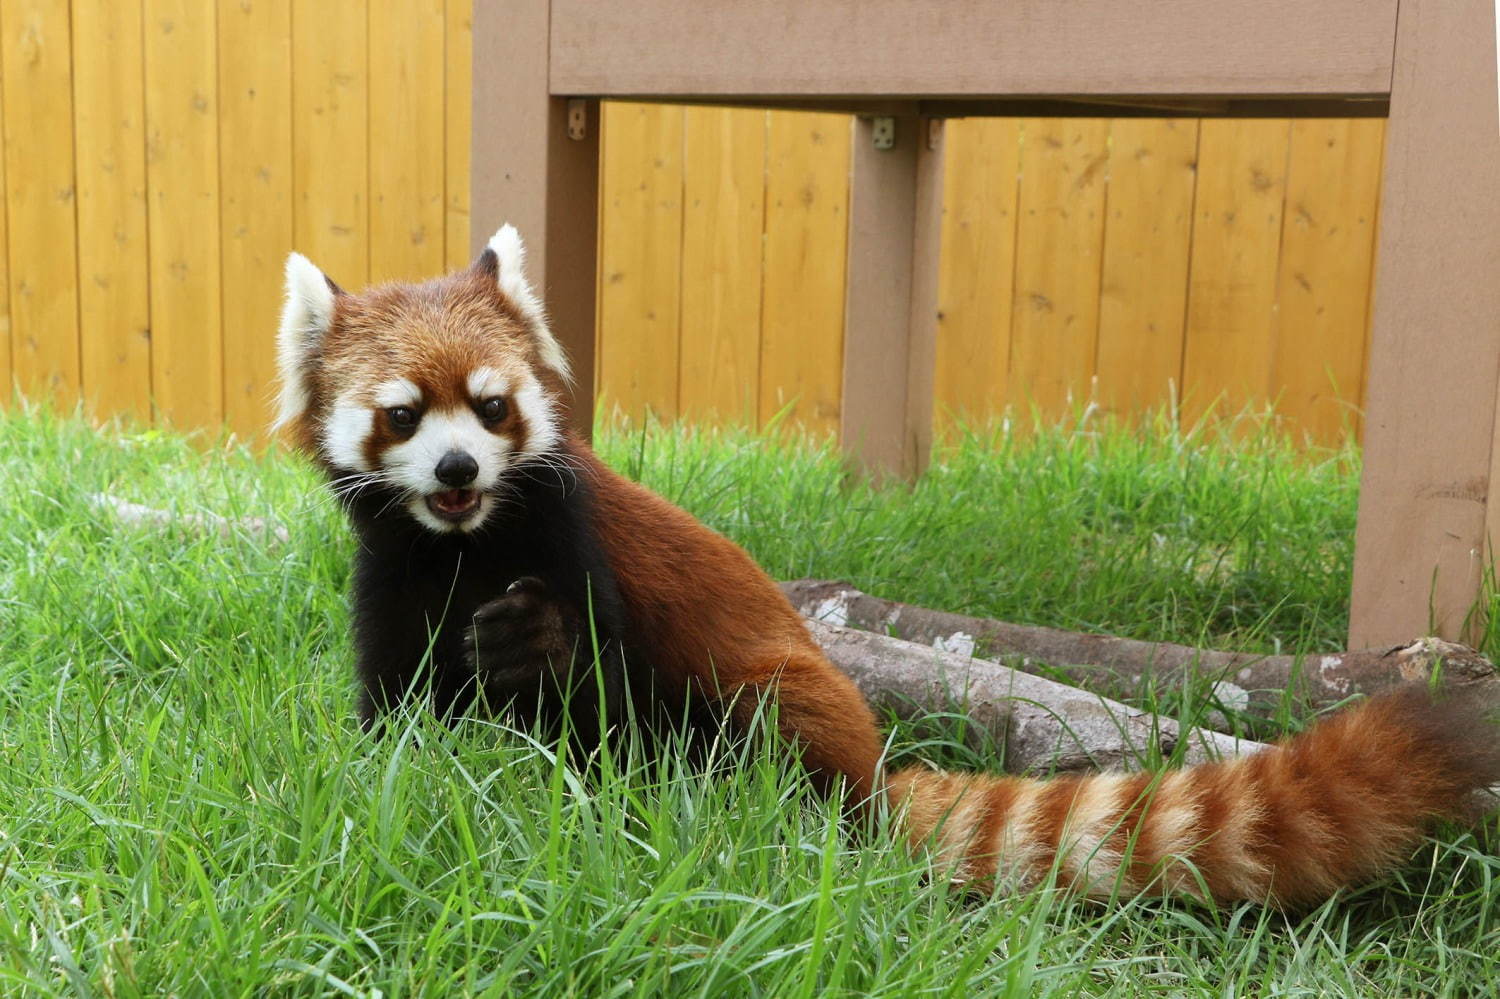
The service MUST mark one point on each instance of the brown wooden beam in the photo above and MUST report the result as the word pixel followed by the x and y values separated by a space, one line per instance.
pixel 890 312
pixel 1425 501
pixel 954 48
pixel 1054 106
pixel 529 170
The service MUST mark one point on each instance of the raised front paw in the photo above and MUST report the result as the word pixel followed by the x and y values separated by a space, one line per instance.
pixel 519 638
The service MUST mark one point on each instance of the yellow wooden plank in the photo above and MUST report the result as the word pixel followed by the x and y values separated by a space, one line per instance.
pixel 1327 250
pixel 37 67
pixel 1055 324
pixel 806 249
pixel 1143 291
pixel 724 171
pixel 1232 287
pixel 640 254
pixel 407 213
pixel 978 268
pixel 182 156
pixel 255 149
pixel 110 141
pixel 457 105
pixel 330 147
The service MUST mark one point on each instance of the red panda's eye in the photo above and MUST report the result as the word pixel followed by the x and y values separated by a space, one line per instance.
pixel 493 409
pixel 402 417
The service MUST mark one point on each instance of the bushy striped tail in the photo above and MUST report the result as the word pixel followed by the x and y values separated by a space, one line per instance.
pixel 1289 825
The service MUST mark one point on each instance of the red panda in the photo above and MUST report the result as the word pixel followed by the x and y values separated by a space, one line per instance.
pixel 492 542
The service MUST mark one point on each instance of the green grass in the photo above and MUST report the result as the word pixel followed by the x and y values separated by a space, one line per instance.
pixel 186 806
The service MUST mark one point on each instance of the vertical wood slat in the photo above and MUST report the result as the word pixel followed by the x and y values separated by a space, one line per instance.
pixel 1232 288
pixel 40 205
pixel 1327 251
pixel 109 137
pixel 923 312
pixel 535 167
pixel 255 149
pixel 458 82
pixel 1143 286
pixel 640 253
pixel 408 217
pixel 1428 509
pixel 724 164
pixel 182 178
pixel 1059 239
pixel 330 137
pixel 978 268
pixel 886 193
pixel 806 250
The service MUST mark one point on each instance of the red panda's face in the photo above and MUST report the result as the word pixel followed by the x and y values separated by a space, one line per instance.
pixel 434 396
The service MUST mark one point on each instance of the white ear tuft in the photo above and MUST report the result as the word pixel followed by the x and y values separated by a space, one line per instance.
pixel 510 255
pixel 304 320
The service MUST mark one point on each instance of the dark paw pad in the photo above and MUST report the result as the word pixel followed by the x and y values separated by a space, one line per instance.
pixel 520 635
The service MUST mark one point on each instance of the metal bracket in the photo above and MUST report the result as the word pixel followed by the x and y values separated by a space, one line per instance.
pixel 883 132
pixel 578 119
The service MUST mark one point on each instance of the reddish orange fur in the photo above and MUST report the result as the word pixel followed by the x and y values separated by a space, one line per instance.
pixel 1334 805
pixel 702 604
pixel 435 332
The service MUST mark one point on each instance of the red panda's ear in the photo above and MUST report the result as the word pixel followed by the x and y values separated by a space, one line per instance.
pixel 305 319
pixel 504 262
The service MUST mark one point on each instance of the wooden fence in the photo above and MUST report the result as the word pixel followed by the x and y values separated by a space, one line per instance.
pixel 1133 262
pixel 161 156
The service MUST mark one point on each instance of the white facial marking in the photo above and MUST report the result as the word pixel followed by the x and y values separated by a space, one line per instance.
pixel 485 383
pixel 345 432
pixel 304 320
pixel 397 392
pixel 541 418
pixel 511 254
pixel 411 463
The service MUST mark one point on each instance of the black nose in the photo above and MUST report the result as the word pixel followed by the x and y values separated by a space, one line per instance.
pixel 456 469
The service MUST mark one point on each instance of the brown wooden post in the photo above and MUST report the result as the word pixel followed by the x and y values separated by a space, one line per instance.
pixel 890 312
pixel 1435 348
pixel 535 168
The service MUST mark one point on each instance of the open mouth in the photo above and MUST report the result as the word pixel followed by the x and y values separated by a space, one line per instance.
pixel 454 505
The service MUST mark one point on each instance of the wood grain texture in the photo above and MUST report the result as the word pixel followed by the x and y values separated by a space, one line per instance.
pixel 806 251
pixel 1143 287
pixel 1426 507
pixel 724 171
pixel 330 136
pixel 182 174
pixel 407 211
pixel 256 199
pixel 922 314
pixel 109 137
pixel 1231 320
pixel 1059 238
pixel 39 198
pixel 1327 251
pixel 978 268
pixel 640 276
pixel 181 90
pixel 458 60
pixel 528 170
pixel 946 47
pixel 877 298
